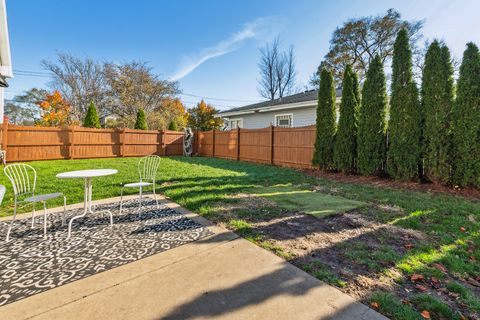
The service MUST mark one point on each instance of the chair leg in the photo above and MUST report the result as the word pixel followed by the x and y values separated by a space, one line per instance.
pixel 155 196
pixel 33 214
pixel 11 222
pixel 44 220
pixel 140 199
pixel 121 200
pixel 64 210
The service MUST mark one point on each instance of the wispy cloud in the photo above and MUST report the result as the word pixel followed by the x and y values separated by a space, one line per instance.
pixel 261 28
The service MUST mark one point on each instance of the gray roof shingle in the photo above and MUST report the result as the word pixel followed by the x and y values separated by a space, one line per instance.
pixel 294 98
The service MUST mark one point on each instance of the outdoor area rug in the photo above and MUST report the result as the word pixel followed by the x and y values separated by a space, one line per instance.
pixel 30 264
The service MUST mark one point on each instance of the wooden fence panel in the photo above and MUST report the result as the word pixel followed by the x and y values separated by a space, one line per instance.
pixel 226 144
pixel 173 143
pixel 95 143
pixel 140 142
pixel 205 143
pixel 289 147
pixel 255 145
pixel 24 143
pixel 32 143
pixel 293 147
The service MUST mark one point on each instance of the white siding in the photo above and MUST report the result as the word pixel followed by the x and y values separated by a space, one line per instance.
pixel 301 117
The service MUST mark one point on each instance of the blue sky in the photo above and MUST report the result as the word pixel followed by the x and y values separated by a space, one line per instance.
pixel 209 46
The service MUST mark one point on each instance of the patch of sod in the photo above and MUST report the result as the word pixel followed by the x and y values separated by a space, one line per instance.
pixel 307 201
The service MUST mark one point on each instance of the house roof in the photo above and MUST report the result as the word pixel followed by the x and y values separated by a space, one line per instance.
pixel 294 100
pixel 5 60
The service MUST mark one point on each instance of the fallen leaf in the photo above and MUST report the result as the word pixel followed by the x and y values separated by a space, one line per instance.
pixel 425 314
pixel 374 305
pixel 416 277
pixel 406 301
pixel 440 267
pixel 421 288
pixel 409 246
pixel 434 280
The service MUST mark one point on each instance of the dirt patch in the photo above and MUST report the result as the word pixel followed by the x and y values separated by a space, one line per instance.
pixel 343 244
pixel 471 193
pixel 347 250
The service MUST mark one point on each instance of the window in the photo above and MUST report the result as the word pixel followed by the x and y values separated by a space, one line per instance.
pixel 284 120
pixel 235 123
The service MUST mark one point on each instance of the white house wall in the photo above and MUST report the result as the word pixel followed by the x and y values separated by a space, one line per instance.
pixel 301 117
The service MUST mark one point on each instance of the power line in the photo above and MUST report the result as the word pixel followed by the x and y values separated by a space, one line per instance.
pixel 218 99
pixel 28 73
pixel 35 72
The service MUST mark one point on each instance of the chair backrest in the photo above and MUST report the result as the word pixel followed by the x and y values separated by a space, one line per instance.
pixel 147 167
pixel 23 178
pixel 2 192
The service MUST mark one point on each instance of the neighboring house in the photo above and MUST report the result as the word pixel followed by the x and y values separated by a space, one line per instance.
pixel 5 60
pixel 297 110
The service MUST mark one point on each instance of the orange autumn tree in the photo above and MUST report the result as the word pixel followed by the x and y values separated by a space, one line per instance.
pixel 172 110
pixel 55 111
pixel 202 117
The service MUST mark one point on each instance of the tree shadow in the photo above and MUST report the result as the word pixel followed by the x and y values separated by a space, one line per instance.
pixel 285 281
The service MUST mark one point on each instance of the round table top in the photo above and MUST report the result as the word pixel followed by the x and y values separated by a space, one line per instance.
pixel 86 173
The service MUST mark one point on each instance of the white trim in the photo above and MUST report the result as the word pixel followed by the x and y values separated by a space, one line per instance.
pixel 283 115
pixel 235 119
pixel 5 59
pixel 2 102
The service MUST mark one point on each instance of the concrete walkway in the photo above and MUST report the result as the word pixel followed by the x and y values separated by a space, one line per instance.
pixel 219 277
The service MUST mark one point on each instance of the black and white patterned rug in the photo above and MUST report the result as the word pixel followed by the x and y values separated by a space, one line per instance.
pixel 30 264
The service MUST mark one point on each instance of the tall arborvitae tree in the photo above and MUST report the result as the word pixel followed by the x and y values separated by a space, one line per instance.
pixel 371 120
pixel 437 102
pixel 173 126
pixel 91 119
pixel 466 121
pixel 326 110
pixel 345 148
pixel 141 122
pixel 404 129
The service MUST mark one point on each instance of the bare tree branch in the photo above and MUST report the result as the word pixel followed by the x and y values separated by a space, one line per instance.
pixel 277 71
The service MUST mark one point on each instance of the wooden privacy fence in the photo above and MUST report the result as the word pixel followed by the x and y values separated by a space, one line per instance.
pixel 24 143
pixel 291 147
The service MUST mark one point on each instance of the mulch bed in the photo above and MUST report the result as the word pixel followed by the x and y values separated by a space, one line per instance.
pixel 386 182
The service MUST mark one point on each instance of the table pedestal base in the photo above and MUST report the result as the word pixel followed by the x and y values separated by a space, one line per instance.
pixel 87 206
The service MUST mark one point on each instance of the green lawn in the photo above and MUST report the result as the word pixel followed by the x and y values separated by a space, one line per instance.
pixel 450 224
pixel 194 182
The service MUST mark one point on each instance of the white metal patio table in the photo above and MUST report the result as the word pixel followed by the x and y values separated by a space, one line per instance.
pixel 88 176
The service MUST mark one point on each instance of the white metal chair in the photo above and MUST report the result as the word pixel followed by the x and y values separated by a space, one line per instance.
pixel 3 190
pixel 24 179
pixel 147 170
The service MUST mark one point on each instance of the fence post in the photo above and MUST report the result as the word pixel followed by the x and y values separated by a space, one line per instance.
pixel 196 142
pixel 238 143
pixel 71 141
pixel 5 136
pixel 213 143
pixel 163 145
pixel 272 130
pixel 122 142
